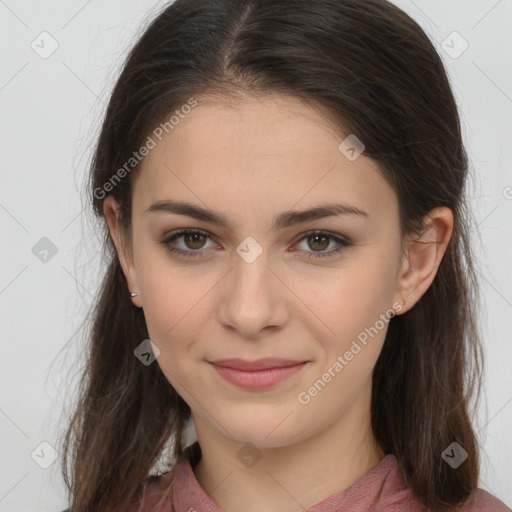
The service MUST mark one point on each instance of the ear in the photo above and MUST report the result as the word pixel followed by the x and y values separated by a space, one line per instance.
pixel 422 257
pixel 111 212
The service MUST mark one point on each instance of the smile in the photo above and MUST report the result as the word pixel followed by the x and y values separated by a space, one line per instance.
pixel 257 378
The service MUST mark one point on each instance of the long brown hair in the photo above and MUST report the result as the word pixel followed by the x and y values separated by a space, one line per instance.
pixel 377 74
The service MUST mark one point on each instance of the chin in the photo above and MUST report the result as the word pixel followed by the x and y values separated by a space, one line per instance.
pixel 271 430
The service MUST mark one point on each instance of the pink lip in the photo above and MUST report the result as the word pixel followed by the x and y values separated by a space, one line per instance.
pixel 258 364
pixel 259 374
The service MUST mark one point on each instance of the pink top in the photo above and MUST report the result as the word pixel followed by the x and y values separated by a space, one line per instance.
pixel 381 489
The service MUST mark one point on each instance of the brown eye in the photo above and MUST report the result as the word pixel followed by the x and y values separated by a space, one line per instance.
pixel 194 240
pixel 193 243
pixel 318 242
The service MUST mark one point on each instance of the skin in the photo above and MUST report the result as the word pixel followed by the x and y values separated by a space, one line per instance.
pixel 251 161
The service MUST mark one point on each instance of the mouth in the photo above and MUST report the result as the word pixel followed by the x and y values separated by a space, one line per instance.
pixel 258 374
pixel 266 363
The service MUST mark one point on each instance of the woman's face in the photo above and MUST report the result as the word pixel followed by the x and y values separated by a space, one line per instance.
pixel 259 286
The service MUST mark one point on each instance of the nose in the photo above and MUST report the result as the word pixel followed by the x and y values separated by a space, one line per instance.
pixel 253 298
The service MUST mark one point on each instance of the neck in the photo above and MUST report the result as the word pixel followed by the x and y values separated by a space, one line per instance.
pixel 300 474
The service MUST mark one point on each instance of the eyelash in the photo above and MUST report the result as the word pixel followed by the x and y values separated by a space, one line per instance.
pixel 191 253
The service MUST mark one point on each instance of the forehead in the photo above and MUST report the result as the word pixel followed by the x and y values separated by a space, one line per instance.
pixel 273 126
pixel 273 153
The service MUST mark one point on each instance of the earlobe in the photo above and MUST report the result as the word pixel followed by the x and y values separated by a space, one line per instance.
pixel 423 255
pixel 111 213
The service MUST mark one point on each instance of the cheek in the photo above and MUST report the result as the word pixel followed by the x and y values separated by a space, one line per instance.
pixel 352 298
pixel 355 311
pixel 174 315
pixel 169 290
pixel 172 309
pixel 178 309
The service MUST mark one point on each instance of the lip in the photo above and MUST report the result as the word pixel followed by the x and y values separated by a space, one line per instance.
pixel 258 374
pixel 258 364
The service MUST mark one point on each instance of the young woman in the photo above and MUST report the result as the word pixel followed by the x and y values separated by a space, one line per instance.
pixel 282 185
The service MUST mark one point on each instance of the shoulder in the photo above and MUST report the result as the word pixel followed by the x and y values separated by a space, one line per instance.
pixel 483 500
pixel 172 484
pixel 157 487
pixel 160 483
pixel 392 493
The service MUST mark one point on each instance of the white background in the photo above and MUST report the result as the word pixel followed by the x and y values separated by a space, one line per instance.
pixel 51 110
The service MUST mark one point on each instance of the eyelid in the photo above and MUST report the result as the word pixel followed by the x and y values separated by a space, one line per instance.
pixel 299 237
pixel 342 241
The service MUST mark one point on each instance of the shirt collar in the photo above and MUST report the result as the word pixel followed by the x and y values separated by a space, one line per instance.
pixel 382 486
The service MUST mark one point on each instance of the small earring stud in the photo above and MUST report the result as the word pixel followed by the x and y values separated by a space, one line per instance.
pixel 134 294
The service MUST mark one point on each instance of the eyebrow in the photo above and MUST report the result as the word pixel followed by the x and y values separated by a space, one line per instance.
pixel 283 220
